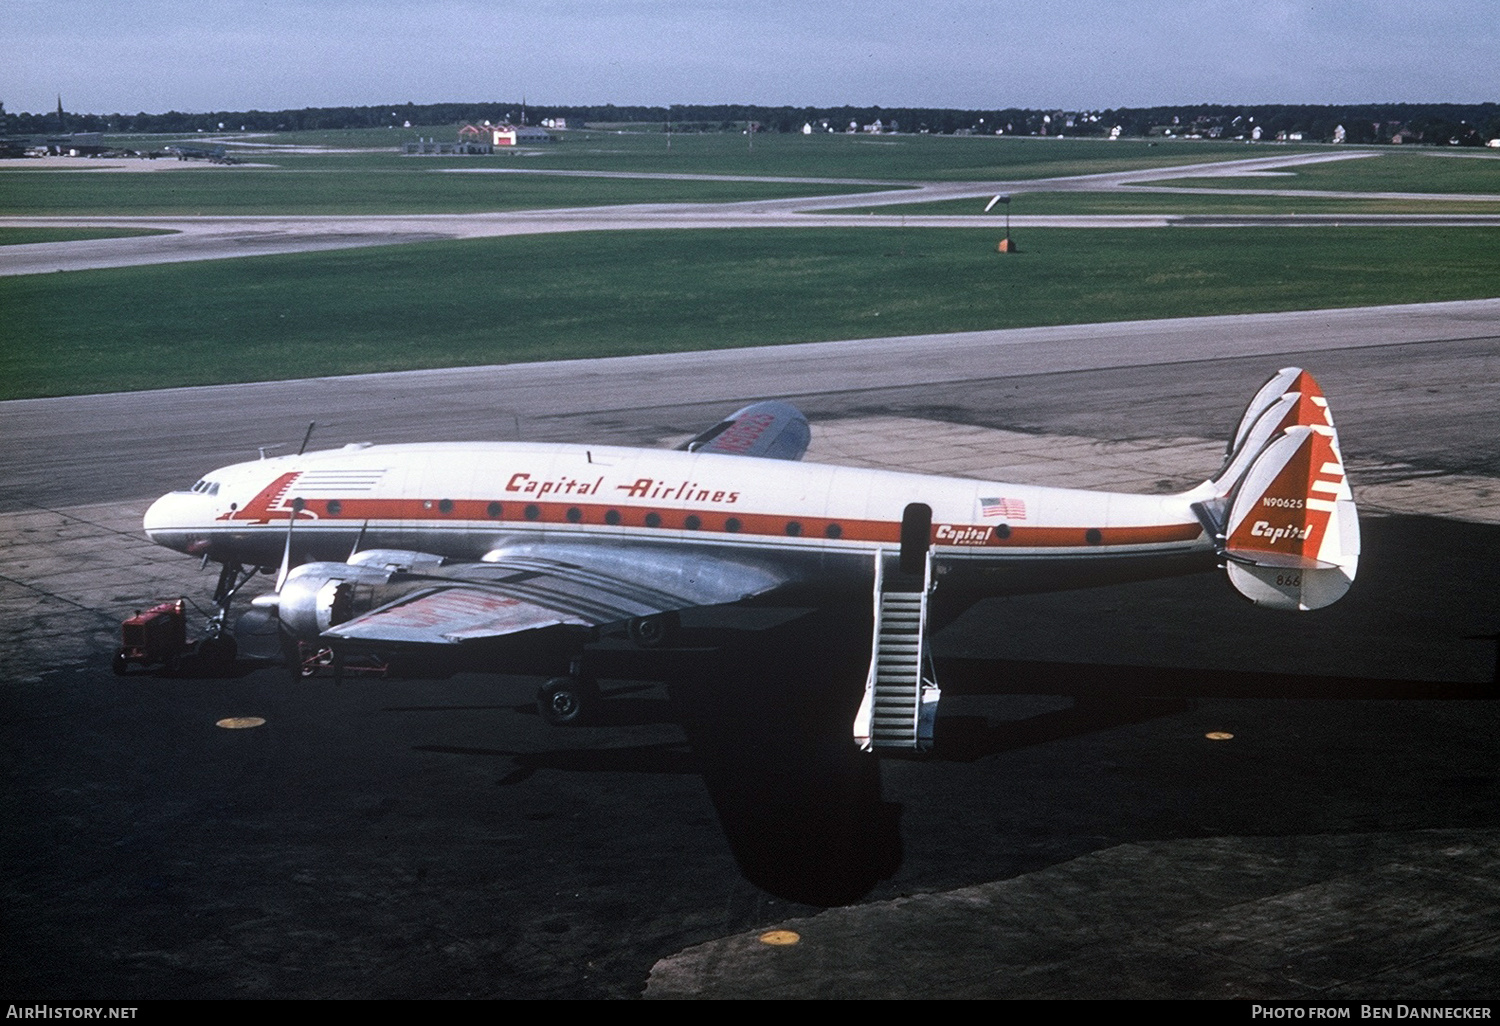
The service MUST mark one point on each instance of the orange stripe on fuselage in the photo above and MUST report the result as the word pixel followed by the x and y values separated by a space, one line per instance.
pixel 479 513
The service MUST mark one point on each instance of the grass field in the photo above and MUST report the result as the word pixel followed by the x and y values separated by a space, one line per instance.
pixel 22 236
pixel 413 188
pixel 603 294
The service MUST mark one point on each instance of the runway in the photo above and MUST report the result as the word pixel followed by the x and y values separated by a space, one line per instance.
pixel 401 839
pixel 225 237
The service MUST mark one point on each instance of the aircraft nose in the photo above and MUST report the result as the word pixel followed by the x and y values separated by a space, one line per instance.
pixel 158 515
pixel 171 518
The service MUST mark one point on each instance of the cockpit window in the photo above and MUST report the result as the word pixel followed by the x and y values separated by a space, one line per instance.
pixel 206 487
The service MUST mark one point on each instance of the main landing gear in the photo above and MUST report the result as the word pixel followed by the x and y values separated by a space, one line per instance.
pixel 653 631
pixel 568 701
pixel 574 700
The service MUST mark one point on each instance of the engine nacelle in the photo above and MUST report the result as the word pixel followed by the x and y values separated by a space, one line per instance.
pixel 396 559
pixel 317 596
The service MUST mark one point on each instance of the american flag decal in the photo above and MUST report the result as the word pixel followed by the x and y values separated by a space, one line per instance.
pixel 1010 509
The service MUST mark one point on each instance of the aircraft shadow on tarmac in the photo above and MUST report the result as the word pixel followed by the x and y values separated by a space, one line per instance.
pixel 802 807
pixel 767 717
pixel 968 738
pixel 798 802
pixel 670 758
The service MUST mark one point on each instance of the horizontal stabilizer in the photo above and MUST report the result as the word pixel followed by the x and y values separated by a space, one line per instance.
pixel 770 429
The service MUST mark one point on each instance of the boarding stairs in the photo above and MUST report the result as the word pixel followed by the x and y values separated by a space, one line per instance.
pixel 901 694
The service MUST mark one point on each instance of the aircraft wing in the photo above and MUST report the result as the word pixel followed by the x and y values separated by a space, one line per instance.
pixel 770 429
pixel 515 591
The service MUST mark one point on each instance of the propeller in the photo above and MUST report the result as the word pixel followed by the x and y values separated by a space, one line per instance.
pixel 286 553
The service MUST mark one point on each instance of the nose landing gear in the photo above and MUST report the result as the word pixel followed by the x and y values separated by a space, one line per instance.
pixel 217 649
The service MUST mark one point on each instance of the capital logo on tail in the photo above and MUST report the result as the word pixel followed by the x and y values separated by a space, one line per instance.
pixel 1291 534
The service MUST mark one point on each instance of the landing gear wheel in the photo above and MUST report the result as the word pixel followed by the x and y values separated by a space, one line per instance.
pixel 653 631
pixel 309 660
pixel 567 701
pixel 292 660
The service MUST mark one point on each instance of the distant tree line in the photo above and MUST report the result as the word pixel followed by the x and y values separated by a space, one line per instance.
pixel 1437 123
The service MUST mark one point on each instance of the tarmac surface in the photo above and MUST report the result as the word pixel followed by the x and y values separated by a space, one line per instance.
pixel 386 838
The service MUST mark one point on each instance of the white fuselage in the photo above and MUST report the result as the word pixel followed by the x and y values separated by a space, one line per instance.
pixel 463 501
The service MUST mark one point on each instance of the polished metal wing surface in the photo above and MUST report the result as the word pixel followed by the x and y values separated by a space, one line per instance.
pixel 516 590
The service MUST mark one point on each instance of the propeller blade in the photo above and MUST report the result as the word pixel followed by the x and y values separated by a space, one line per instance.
pixel 286 553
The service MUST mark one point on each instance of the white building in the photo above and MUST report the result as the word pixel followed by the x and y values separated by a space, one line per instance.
pixel 504 135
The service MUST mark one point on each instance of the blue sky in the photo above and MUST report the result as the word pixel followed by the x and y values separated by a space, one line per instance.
pixel 105 56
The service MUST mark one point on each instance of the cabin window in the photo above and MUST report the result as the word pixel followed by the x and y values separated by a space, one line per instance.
pixel 793 528
pixel 612 517
pixel 533 511
pixel 1002 531
pixel 335 507
pixel 445 505
pixel 494 510
pixel 574 514
pixel 1092 536
pixel 692 523
pixel 833 530
pixel 732 525
pixel 653 519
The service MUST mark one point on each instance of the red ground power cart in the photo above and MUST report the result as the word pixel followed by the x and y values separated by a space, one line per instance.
pixel 157 637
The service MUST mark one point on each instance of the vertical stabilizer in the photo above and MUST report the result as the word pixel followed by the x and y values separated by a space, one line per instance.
pixel 1288 528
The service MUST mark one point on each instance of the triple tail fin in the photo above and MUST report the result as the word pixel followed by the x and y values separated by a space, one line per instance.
pixel 1280 510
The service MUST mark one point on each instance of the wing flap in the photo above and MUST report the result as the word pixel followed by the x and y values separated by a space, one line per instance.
pixel 512 592
pixel 450 615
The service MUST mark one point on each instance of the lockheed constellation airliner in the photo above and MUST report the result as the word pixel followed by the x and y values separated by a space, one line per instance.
pixel 395 549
